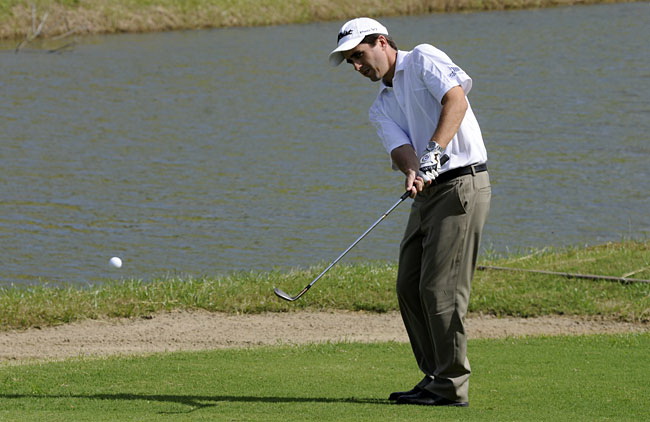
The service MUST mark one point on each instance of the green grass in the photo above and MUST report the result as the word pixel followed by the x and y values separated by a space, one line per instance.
pixel 583 378
pixel 367 287
pixel 590 378
pixel 529 294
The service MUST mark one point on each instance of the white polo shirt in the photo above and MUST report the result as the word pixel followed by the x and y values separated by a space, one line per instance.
pixel 408 112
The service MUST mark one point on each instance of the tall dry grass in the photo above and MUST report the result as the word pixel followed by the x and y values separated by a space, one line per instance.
pixel 20 18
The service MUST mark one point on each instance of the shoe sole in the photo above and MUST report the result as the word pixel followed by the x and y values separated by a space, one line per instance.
pixel 450 404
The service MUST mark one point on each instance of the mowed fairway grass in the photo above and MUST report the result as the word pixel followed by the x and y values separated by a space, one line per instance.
pixel 586 378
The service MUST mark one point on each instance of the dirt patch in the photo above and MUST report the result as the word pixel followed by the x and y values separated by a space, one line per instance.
pixel 203 330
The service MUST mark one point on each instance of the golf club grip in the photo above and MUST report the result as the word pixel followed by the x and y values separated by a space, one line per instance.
pixel 443 160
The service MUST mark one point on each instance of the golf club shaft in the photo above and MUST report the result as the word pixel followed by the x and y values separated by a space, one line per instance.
pixel 281 294
pixel 285 296
pixel 402 198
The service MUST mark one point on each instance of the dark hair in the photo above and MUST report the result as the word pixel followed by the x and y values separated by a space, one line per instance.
pixel 372 39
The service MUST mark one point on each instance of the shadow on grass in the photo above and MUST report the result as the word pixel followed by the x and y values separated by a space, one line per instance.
pixel 195 402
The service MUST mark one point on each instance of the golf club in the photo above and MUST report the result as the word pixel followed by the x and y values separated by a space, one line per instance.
pixel 283 295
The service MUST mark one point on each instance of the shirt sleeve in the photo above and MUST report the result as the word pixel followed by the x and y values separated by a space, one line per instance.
pixel 390 133
pixel 438 72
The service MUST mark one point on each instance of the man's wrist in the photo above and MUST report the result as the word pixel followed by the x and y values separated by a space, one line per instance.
pixel 434 146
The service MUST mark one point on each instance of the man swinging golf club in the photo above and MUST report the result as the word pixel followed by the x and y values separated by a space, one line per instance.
pixel 421 112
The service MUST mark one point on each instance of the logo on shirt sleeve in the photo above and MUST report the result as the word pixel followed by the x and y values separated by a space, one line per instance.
pixel 454 71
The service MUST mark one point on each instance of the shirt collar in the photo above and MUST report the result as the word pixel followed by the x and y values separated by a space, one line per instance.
pixel 399 66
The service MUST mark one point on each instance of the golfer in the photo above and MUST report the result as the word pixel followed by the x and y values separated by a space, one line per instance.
pixel 422 115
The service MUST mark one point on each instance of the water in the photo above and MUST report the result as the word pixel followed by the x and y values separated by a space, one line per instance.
pixel 206 152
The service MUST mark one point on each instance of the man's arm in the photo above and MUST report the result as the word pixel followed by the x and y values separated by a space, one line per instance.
pixel 454 106
pixel 406 159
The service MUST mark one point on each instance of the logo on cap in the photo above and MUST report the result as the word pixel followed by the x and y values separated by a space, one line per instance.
pixel 373 30
pixel 344 34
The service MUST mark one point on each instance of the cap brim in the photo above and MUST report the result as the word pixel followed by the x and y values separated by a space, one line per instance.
pixel 336 56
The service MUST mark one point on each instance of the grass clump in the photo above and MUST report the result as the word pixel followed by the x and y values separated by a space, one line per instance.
pixel 359 287
pixel 526 294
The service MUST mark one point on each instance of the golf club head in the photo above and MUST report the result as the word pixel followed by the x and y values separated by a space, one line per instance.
pixel 283 295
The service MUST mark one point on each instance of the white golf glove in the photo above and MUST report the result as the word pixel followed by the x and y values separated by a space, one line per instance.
pixel 430 162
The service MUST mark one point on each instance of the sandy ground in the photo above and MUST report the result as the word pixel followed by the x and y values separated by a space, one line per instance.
pixel 203 330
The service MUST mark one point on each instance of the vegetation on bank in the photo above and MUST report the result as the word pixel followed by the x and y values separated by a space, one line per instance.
pixel 358 287
pixel 20 19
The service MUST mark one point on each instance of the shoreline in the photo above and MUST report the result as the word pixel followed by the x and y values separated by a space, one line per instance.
pixel 44 19
pixel 527 289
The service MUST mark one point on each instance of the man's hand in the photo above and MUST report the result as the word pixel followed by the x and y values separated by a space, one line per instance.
pixel 430 162
pixel 414 183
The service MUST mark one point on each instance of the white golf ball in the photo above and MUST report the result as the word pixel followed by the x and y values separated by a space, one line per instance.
pixel 115 262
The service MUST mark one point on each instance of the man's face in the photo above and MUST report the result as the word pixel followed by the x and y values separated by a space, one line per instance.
pixel 369 60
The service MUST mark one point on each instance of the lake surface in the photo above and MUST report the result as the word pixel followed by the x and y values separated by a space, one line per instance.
pixel 206 152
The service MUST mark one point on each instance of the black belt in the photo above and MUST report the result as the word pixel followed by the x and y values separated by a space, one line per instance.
pixel 460 171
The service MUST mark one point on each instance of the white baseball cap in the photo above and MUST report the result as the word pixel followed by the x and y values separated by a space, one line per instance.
pixel 351 35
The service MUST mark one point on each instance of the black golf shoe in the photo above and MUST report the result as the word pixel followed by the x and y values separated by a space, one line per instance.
pixel 396 395
pixel 427 398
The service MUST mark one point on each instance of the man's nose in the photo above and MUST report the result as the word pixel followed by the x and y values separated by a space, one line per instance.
pixel 357 66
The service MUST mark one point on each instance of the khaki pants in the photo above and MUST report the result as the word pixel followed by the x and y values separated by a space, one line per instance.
pixel 437 260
